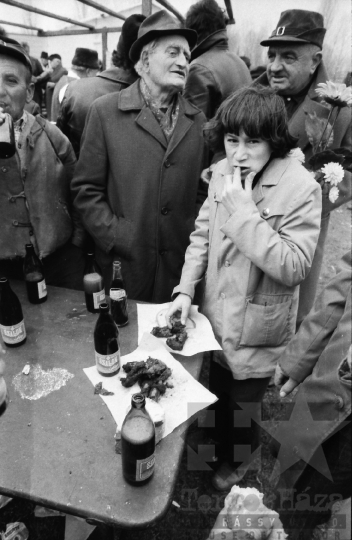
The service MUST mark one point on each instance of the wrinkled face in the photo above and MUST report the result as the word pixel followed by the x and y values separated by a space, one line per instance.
pixel 169 64
pixel 291 67
pixel 243 151
pixel 15 90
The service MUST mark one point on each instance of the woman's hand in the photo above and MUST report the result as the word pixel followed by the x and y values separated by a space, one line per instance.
pixel 233 195
pixel 287 383
pixel 181 303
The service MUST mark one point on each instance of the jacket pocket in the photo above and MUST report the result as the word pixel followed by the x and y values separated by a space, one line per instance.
pixel 266 320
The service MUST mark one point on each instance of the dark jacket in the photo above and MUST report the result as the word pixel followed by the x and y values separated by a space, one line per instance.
pixel 316 357
pixel 80 95
pixel 214 74
pixel 37 194
pixel 135 193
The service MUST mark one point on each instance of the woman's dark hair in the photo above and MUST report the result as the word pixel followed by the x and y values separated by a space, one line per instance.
pixel 205 17
pixel 260 112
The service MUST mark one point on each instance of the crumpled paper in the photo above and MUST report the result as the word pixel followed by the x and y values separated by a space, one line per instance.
pixel 186 398
pixel 200 333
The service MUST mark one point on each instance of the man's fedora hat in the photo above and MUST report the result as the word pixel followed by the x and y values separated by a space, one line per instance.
pixel 10 47
pixel 160 24
pixel 298 26
pixel 86 58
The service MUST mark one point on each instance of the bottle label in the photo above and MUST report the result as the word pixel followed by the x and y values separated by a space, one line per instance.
pixel 144 468
pixel 42 291
pixel 13 334
pixel 107 363
pixel 117 294
pixel 98 298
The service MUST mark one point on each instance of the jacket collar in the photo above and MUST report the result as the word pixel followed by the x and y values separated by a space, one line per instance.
pixel 217 39
pixel 132 99
pixel 118 75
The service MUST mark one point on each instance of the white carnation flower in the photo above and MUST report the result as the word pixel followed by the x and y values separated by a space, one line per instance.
pixel 297 153
pixel 333 194
pixel 333 173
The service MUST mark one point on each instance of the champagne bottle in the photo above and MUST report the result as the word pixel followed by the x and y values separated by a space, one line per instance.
pixel 118 296
pixel 106 343
pixel 93 284
pixel 13 331
pixel 138 443
pixel 34 277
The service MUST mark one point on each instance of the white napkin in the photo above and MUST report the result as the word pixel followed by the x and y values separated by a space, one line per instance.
pixel 186 398
pixel 200 333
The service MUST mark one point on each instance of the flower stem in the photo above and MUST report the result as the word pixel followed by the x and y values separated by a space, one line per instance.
pixel 333 124
pixel 322 135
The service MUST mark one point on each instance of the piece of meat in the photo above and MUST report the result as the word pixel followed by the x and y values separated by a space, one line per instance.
pixel 176 343
pixel 161 331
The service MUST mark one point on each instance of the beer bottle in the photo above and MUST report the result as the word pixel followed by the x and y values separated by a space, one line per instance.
pixel 93 284
pixel 106 343
pixel 34 277
pixel 7 138
pixel 138 443
pixel 12 327
pixel 118 296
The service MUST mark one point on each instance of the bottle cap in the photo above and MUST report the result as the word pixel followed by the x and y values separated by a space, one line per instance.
pixel 104 307
pixel 117 264
pixel 3 279
pixel 138 401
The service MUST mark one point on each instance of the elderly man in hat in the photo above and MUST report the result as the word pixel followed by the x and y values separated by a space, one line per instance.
pixel 294 69
pixel 35 198
pixel 85 64
pixel 137 178
pixel 80 94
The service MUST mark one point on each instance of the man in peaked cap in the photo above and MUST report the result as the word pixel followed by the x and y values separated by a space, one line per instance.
pixel 294 69
pixel 85 64
pixel 80 94
pixel 137 178
pixel 35 197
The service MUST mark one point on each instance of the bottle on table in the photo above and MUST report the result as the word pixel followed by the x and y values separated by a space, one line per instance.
pixel 34 276
pixel 12 328
pixel 118 296
pixel 7 138
pixel 93 284
pixel 106 343
pixel 138 443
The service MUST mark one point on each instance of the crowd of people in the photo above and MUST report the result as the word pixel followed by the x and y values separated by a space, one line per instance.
pixel 177 163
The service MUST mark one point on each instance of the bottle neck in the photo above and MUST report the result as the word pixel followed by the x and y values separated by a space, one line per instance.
pixel 116 271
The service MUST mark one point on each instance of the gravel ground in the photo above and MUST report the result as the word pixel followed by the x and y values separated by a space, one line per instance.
pixel 197 501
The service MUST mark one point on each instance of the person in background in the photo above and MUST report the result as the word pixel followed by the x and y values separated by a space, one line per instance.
pixel 35 196
pixel 137 182
pixel 257 71
pixel 50 77
pixel 84 65
pixel 36 71
pixel 254 242
pixel 215 72
pixel 44 60
pixel 294 70
pixel 315 451
pixel 80 94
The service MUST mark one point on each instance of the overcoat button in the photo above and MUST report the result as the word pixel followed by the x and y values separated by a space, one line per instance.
pixel 4 169
pixel 12 199
pixel 295 450
pixel 266 212
pixel 339 403
pixel 223 295
pixel 227 263
pixel 164 211
pixel 167 163
pixel 15 223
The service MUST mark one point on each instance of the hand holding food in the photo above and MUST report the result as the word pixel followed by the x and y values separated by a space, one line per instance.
pixel 181 303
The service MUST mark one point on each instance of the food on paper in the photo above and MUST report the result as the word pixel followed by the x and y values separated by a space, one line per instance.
pixel 156 413
pixel 98 389
pixel 245 511
pixel 151 376
pixel 176 335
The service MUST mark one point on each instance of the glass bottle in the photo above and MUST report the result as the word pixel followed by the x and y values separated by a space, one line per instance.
pixel 34 276
pixel 138 443
pixel 93 284
pixel 7 138
pixel 3 390
pixel 13 331
pixel 106 343
pixel 118 296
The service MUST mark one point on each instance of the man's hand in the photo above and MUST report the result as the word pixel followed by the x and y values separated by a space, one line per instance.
pixel 181 303
pixel 233 195
pixel 287 383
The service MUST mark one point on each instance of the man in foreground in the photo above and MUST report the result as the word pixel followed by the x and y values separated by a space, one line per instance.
pixel 137 178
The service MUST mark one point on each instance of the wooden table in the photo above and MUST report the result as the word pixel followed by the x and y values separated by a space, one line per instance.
pixel 58 451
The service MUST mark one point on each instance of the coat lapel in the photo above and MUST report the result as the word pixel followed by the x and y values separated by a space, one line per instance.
pixel 182 126
pixel 146 120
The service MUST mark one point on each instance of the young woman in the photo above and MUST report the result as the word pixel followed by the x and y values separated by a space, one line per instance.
pixel 253 243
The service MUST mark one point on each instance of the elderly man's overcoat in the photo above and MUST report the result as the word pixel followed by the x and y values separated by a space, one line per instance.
pixel 342 137
pixel 136 193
